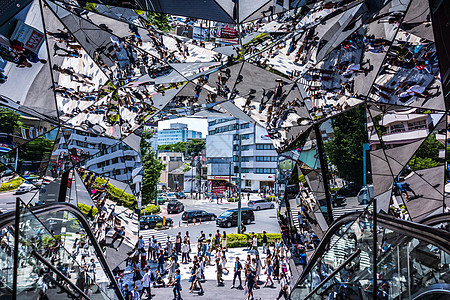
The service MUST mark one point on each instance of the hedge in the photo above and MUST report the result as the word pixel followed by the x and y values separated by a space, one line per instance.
pixel 270 198
pixel 115 194
pixel 235 240
pixel 11 185
pixel 233 199
pixel 84 208
pixel 151 209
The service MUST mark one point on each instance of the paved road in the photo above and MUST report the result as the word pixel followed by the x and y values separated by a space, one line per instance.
pixel 8 199
pixel 264 219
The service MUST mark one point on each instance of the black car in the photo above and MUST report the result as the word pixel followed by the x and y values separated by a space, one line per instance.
pixel 337 200
pixel 349 190
pixel 180 195
pixel 197 215
pixel 175 207
pixel 148 222
pixel 230 217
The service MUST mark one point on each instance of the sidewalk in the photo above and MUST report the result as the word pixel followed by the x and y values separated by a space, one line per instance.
pixel 212 291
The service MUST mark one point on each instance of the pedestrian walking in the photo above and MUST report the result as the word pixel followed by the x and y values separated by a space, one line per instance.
pixel 269 271
pixel 284 287
pixel 224 241
pixel 146 281
pixel 184 253
pixel 250 283
pixel 264 242
pixel 176 283
pixel 237 273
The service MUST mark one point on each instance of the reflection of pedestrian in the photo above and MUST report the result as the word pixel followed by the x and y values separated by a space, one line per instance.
pixel 404 188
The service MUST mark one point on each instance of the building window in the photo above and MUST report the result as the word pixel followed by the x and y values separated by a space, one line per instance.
pixel 243 136
pixel 244 147
pixel 265 147
pixel 266 158
pixel 243 158
pixel 116 172
pixel 246 125
pixel 265 171
pixel 115 160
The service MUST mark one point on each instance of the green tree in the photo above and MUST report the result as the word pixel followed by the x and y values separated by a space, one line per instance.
pixel 345 149
pixel 152 169
pixel 196 146
pixel 427 156
pixel 193 146
pixel 9 120
pixel 38 149
pixel 159 20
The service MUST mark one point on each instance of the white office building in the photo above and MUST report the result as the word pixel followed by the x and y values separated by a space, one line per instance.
pixel 258 156
pixel 114 158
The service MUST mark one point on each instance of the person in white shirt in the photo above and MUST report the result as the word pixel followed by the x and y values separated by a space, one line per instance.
pixel 146 282
pixel 184 252
pixel 284 287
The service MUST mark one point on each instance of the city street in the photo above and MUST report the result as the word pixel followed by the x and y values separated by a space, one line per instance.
pixel 264 220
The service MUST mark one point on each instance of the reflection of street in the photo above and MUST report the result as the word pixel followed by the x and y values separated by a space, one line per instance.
pixel 8 199
pixel 264 219
pixel 351 204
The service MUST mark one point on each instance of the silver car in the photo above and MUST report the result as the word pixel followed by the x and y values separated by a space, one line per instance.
pixel 261 204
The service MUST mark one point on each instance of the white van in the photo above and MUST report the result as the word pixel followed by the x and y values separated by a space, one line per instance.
pixel 365 195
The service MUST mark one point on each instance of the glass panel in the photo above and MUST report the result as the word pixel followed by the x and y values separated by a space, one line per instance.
pixel 51 239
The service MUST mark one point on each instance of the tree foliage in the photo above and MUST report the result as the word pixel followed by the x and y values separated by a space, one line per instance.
pixel 152 169
pixel 9 119
pixel 193 146
pixel 159 20
pixel 427 156
pixel 345 149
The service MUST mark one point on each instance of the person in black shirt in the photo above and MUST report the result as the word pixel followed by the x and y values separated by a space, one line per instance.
pixel 237 272
pixel 264 242
pixel 250 279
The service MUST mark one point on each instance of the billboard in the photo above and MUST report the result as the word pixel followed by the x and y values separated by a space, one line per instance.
pixel 31 38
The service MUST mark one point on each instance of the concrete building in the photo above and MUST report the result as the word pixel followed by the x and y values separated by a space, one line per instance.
pixel 178 132
pixel 400 128
pixel 115 159
pixel 258 156
pixel 172 176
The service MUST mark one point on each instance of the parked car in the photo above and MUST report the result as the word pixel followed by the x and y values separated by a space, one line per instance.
pixel 175 207
pixel 197 215
pixel 260 204
pixel 180 195
pixel 148 222
pixel 349 190
pixel 230 217
pixel 365 195
pixel 171 197
pixel 337 200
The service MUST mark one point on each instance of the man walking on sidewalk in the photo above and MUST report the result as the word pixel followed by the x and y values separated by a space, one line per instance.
pixel 237 273
pixel 146 280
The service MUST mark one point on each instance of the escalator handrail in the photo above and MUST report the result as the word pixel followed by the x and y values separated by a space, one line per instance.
pixel 58 272
pixel 352 216
pixel 334 227
pixel 9 217
pixel 338 269
pixel 441 288
pixel 431 235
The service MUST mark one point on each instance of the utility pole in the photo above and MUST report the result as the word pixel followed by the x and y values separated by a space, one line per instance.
pixel 240 182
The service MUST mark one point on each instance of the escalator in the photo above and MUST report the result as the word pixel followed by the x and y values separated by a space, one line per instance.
pixel 413 260
pixel 57 253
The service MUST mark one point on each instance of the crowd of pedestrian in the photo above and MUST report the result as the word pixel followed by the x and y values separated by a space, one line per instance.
pixel 154 264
